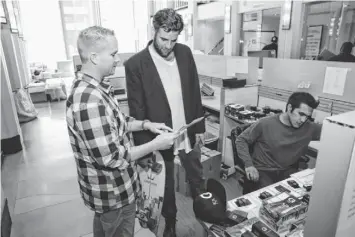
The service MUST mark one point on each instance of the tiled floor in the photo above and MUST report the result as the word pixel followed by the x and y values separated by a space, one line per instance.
pixel 41 183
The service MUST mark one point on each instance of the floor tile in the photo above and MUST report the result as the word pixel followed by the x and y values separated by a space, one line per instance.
pixel 69 219
pixel 27 204
pixel 88 235
pixel 46 187
pixel 55 170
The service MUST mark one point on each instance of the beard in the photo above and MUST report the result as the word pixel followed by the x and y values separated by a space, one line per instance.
pixel 159 50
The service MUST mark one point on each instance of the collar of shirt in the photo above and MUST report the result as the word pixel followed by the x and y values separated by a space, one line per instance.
pixel 104 85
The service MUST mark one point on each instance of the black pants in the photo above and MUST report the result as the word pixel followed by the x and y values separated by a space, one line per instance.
pixel 194 171
pixel 266 178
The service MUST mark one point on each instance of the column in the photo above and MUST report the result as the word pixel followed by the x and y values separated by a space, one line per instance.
pixel 26 64
pixel 19 56
pixel 231 40
pixel 7 40
pixel 11 137
pixel 150 15
pixel 192 9
pixel 290 40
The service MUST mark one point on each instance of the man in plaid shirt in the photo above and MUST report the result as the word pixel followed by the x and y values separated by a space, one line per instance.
pixel 108 180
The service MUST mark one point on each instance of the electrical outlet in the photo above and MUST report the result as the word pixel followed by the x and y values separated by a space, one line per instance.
pixel 307 85
pixel 301 85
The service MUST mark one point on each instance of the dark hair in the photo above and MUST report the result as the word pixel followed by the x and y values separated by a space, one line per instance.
pixel 274 39
pixel 169 20
pixel 347 47
pixel 298 98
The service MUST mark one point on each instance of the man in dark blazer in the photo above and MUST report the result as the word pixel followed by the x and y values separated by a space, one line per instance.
pixel 163 87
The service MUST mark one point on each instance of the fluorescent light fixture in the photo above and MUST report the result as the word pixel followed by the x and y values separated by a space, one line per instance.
pixel 227 19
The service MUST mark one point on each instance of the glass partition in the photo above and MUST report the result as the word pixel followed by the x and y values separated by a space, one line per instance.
pixel 327 25
pixel 260 31
pixel 2 13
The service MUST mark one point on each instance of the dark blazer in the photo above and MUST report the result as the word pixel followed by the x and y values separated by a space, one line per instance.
pixel 147 98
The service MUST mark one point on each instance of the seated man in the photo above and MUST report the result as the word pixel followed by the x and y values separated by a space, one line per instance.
pixel 278 142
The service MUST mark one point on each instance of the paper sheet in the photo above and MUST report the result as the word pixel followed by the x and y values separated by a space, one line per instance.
pixel 334 82
pixel 182 129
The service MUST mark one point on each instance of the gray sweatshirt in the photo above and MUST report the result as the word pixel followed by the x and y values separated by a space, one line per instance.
pixel 275 146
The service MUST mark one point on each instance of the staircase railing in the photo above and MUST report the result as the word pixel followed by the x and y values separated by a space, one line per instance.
pixel 219 43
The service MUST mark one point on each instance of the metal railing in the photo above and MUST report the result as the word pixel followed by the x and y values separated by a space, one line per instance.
pixel 180 4
pixel 218 48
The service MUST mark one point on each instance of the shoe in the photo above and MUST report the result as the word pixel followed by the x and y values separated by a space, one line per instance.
pixel 170 228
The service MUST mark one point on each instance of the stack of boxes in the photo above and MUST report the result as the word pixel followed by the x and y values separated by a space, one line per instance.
pixel 211 163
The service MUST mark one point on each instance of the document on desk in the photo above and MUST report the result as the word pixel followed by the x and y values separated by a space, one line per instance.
pixel 334 81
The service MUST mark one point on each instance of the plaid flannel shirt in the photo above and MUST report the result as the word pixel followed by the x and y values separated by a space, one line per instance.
pixel 97 131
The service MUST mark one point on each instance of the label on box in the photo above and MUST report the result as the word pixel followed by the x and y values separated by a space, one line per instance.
pixel 262 230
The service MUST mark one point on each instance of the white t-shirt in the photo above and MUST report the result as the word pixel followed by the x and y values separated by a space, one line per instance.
pixel 170 78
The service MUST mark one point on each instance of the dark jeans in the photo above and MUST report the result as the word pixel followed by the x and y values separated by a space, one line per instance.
pixel 266 178
pixel 194 172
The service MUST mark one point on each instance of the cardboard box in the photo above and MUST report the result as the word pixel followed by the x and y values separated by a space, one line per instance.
pixel 283 210
pixel 262 230
pixel 211 164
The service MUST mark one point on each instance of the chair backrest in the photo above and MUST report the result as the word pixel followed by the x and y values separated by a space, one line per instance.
pixel 234 134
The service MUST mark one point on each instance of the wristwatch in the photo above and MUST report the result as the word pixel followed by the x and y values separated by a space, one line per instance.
pixel 144 122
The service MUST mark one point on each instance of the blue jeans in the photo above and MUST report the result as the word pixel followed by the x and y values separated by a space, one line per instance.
pixel 116 223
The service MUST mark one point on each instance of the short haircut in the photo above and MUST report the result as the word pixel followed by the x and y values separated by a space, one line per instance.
pixel 298 98
pixel 169 20
pixel 346 47
pixel 91 38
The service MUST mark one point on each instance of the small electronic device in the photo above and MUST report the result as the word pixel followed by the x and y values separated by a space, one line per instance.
pixel 237 216
pixel 233 109
pixel 259 114
pixel 282 189
pixel 306 198
pixel 262 230
pixel 245 114
pixel 293 184
pixel 267 109
pixel 264 195
pixel 308 187
pixel 218 230
pixel 241 202
pixel 248 234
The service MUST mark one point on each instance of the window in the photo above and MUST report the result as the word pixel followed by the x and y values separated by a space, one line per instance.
pixel 327 26
pixel 129 22
pixel 259 29
pixel 2 13
pixel 12 17
pixel 16 8
pixel 76 16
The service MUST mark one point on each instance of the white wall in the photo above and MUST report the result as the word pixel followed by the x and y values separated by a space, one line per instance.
pixel 213 10
pixel 271 24
pixel 209 33
pixel 43 31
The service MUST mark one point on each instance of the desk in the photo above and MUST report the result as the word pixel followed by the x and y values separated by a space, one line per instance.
pixel 213 103
pixel 314 145
pixel 302 177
